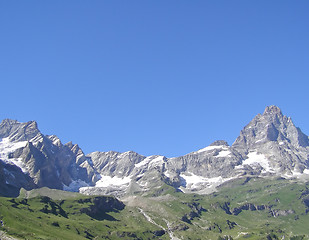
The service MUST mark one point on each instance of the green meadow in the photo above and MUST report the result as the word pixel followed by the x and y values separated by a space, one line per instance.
pixel 248 208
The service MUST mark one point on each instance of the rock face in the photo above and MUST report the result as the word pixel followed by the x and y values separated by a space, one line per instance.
pixel 29 159
pixel 270 145
pixel 274 141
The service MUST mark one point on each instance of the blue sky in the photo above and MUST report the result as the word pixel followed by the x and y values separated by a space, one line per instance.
pixel 156 77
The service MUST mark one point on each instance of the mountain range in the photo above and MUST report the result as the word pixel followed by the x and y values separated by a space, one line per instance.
pixel 269 146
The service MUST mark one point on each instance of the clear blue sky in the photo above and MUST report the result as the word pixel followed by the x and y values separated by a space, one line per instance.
pixel 156 77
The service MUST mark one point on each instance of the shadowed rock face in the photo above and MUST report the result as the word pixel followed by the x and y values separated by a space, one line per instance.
pixel 269 145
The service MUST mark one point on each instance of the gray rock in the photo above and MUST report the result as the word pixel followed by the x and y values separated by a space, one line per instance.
pixel 270 145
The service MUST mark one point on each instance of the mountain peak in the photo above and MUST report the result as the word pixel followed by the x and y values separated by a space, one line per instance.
pixel 272 110
pixel 8 121
pixel 219 143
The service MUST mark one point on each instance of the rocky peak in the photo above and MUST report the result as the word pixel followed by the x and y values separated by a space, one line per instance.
pixel 17 131
pixel 219 143
pixel 273 116
pixel 55 140
pixel 8 122
pixel 6 127
pixel 272 110
pixel 271 126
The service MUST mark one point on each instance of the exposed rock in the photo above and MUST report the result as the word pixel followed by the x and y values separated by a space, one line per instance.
pixel 196 210
pixel 278 212
pixel 215 227
pixel 270 145
pixel 42 160
pixel 230 224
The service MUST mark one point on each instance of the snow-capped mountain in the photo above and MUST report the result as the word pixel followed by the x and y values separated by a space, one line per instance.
pixel 29 159
pixel 270 145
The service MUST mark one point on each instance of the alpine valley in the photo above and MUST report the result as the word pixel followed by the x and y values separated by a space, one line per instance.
pixel 257 188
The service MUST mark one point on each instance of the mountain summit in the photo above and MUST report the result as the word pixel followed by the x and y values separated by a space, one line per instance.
pixel 30 159
pixel 270 145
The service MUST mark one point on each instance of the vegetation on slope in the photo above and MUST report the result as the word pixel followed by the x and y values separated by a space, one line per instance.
pixel 249 208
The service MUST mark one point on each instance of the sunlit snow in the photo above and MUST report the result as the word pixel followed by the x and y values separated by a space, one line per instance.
pixel 75 186
pixel 106 181
pixel 193 181
pixel 223 153
pixel 150 162
pixel 256 158
pixel 7 147
pixel 209 148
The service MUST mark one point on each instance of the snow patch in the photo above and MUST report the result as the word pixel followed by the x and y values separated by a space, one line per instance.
pixel 224 150
pixel 7 147
pixel 57 142
pixel 36 139
pixel 143 163
pixel 167 174
pixel 256 158
pixel 296 173
pixel 193 181
pixel 75 186
pixel 209 148
pixel 150 161
pixel 223 153
pixel 106 181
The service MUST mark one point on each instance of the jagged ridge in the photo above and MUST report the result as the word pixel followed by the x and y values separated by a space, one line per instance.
pixel 270 145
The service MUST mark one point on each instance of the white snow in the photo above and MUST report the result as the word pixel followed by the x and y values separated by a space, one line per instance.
pixel 106 181
pixel 7 147
pixel 150 161
pixel 36 139
pixel 144 162
pixel 167 174
pixel 209 148
pixel 223 153
pixel 256 158
pixel 306 171
pixel 57 142
pixel 296 173
pixel 224 150
pixel 75 186
pixel 192 180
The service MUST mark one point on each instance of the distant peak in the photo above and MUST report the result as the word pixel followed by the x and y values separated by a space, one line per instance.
pixel 219 143
pixel 9 121
pixel 272 110
pixel 69 144
pixel 32 123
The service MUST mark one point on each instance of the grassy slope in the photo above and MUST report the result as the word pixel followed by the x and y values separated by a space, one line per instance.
pixel 26 220
pixel 187 216
pixel 280 195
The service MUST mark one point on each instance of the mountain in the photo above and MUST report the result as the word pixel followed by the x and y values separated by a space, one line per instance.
pixel 276 144
pixel 270 145
pixel 30 160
